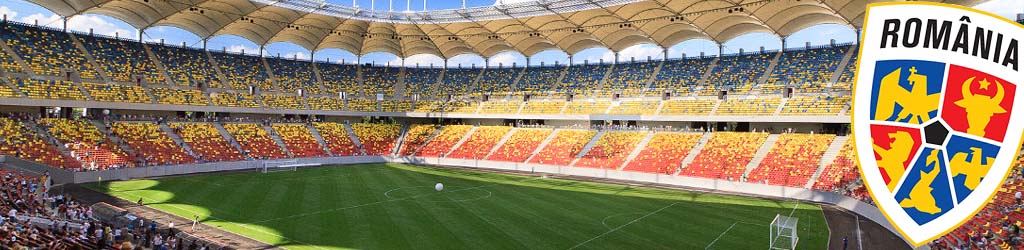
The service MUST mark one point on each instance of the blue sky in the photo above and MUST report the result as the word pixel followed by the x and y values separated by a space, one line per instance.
pixel 24 11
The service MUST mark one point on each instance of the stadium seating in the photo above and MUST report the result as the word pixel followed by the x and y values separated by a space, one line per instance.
pixel 543 107
pixel 456 82
pixel 739 70
pixel 22 194
pixel 20 142
pixel 792 160
pixel 639 107
pixel 338 78
pixel 815 105
pixel 50 89
pixel 299 141
pixel 421 81
pixel 337 138
pixel 255 140
pixel 679 76
pixel 206 142
pixel 293 75
pixel 282 101
pixel 429 107
pixel 380 80
pixel 325 103
pixel 688 107
pixel 243 71
pixel 188 67
pixel 664 153
pixel 725 156
pixel 377 139
pixel 193 97
pixel 498 81
pixel 396 106
pixel 582 79
pixel 9 64
pixel 117 93
pixel 630 78
pixel 538 79
pixel 233 99
pixel 758 106
pixel 520 145
pixel 444 141
pixel 564 147
pixel 500 107
pixel 809 69
pixel 480 143
pixel 462 107
pixel 149 141
pixel 415 138
pixel 845 81
pixel 841 172
pixel 363 105
pixel 123 60
pixel 87 143
pixel 610 151
pixel 7 91
pixel 580 107
pixel 47 51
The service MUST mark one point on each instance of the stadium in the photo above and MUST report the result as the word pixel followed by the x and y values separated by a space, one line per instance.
pixel 124 142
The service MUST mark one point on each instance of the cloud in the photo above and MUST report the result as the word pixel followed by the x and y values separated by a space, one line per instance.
pixel 640 52
pixel 1005 8
pixel 238 48
pixel 423 59
pixel 5 11
pixel 300 55
pixel 504 59
pixel 83 23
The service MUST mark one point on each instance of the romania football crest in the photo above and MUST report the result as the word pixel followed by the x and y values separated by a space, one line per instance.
pixel 937 114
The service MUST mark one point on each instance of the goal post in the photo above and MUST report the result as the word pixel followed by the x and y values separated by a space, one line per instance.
pixel 783 232
pixel 276 166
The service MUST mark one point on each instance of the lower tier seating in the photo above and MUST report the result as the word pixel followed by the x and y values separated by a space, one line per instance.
pixel 87 143
pixel 255 140
pixel 564 147
pixel 18 141
pixel 148 140
pixel 299 141
pixel 725 156
pixel 206 142
pixel 520 145
pixel 377 139
pixel 792 160
pixel 480 143
pixel 610 151
pixel 441 144
pixel 337 138
pixel 664 153
pixel 841 172
pixel 415 138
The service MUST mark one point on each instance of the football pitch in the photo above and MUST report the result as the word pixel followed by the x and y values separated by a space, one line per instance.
pixel 395 206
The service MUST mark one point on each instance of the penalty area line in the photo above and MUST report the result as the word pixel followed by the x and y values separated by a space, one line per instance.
pixel 623 225
pixel 720 235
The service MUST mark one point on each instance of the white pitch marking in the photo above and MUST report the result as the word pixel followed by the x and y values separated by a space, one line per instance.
pixel 623 225
pixel 720 235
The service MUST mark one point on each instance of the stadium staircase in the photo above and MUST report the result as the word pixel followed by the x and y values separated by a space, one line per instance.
pixel 427 141
pixel 542 144
pixel 827 158
pixel 102 127
pixel 319 139
pixel 177 139
pixel 462 140
pixel 761 153
pixel 400 142
pixel 661 104
pixel 603 81
pixel 17 58
pixel 270 76
pixel 501 142
pixel 561 76
pixel 49 138
pixel 515 82
pixel 400 83
pixel 359 80
pixel 437 83
pixel 520 109
pixel 5 82
pixel 650 80
pixel 707 73
pixel 636 151
pixel 771 68
pixel 718 103
pixel 85 92
pixel 690 156
pixel 277 138
pixel 842 66
pixel 231 140
pixel 355 139
pixel 220 74
pixel 590 144
pixel 159 67
pixel 782 104
pixel 102 74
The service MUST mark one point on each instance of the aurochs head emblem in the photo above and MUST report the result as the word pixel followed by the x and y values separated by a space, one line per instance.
pixel 937 115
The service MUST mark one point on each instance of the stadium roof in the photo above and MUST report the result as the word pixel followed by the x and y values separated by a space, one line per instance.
pixel 528 28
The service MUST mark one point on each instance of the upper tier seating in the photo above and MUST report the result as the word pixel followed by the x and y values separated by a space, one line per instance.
pixel 815 105
pixel 498 81
pixel 543 107
pixel 19 141
pixel 208 144
pixel 49 89
pixel 564 147
pixel 337 138
pixel 46 51
pixel 841 172
pixel 282 101
pixel 429 107
pixel 679 76
pixel 421 81
pixel 664 153
pixel 444 141
pixel 416 137
pixel 123 61
pixel 688 107
pixel 500 107
pixel 9 64
pixel 537 79
pixel 610 151
pixel 792 160
pixel 582 79
pixel 520 145
pixel 396 106
pixel 456 82
pixel 377 139
pixel 188 67
pixel 293 75
pixel 148 140
pixel 299 141
pixel 117 93
pixel 739 70
pixel 325 103
pixel 580 107
pixel 810 69
pixel 180 96
pixel 243 71
pixel 87 143
pixel 725 156
pixel 255 140
pixel 462 107
pixel 363 105
pixel 480 143
pixel 380 80
pixel 759 106
pixel 7 91
pixel 340 78
pixel 629 77
pixel 845 81
pixel 642 107
pixel 232 99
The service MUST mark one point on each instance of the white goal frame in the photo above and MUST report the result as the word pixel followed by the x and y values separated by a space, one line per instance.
pixel 281 165
pixel 783 232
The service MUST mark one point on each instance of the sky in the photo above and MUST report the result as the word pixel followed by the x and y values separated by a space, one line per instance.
pixel 23 11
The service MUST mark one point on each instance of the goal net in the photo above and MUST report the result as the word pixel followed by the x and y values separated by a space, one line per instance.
pixel 783 232
pixel 276 166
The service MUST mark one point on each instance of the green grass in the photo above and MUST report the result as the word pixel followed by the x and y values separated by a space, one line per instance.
pixel 346 208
